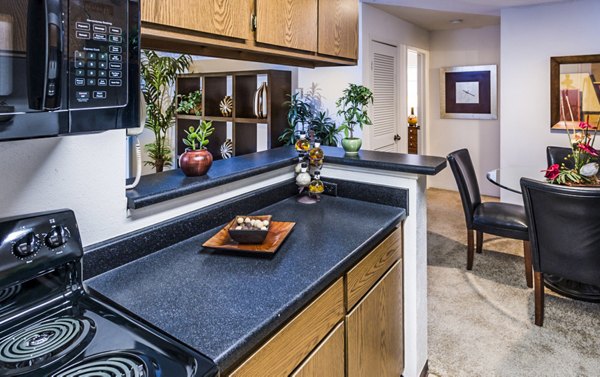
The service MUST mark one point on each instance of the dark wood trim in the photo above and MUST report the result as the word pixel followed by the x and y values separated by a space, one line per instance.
pixel 528 268
pixel 538 279
pixel 470 249
pixel 479 242
pixel 555 63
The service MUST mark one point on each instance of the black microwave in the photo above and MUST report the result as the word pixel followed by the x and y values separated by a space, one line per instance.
pixel 68 66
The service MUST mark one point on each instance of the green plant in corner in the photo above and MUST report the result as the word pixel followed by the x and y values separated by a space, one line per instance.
pixel 190 103
pixel 197 138
pixel 159 73
pixel 325 129
pixel 353 107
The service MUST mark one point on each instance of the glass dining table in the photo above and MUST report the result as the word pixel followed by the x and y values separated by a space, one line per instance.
pixel 510 179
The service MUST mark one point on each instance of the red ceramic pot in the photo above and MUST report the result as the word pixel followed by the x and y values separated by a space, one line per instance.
pixel 195 163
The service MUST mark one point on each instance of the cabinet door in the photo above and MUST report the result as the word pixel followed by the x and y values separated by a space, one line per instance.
pixel 229 18
pixel 287 23
pixel 375 330
pixel 327 360
pixel 338 28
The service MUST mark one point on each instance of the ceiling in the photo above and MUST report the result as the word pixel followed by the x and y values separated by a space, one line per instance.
pixel 436 15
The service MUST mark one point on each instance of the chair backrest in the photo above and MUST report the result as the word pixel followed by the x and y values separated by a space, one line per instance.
pixel 466 180
pixel 564 229
pixel 559 155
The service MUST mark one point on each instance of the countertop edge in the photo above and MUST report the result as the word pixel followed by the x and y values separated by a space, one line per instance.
pixel 172 184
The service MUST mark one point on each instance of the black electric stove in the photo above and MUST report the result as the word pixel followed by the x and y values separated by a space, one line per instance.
pixel 51 326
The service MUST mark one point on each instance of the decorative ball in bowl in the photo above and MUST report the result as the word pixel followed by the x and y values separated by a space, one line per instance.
pixel 250 229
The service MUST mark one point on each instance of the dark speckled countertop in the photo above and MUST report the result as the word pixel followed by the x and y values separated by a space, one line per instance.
pixel 157 188
pixel 224 305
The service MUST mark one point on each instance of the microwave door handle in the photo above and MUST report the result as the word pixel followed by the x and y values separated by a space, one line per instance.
pixel 44 54
pixel 54 47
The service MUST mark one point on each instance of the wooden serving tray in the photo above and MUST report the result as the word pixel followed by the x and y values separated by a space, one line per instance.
pixel 278 232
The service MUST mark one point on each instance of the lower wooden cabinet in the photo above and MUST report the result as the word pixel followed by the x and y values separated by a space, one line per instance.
pixel 328 359
pixel 374 330
pixel 362 338
pixel 285 350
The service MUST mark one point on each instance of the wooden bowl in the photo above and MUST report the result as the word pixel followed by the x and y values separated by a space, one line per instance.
pixel 249 236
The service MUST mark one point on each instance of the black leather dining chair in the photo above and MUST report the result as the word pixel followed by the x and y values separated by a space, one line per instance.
pixel 564 234
pixel 500 219
pixel 559 155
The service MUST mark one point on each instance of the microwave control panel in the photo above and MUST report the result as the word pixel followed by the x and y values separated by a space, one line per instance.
pixel 98 53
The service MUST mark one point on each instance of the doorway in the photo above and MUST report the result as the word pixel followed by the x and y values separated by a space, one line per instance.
pixel 416 97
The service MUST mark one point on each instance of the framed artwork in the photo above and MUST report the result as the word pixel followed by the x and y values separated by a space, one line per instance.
pixel 469 92
pixel 574 90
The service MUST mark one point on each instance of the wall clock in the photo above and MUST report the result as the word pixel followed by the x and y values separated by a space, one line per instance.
pixel 469 92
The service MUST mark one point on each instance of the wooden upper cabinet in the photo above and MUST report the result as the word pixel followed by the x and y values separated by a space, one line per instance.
pixel 338 28
pixel 229 18
pixel 287 23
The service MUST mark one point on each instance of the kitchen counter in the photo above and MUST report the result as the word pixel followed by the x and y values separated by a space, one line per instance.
pixel 172 184
pixel 225 305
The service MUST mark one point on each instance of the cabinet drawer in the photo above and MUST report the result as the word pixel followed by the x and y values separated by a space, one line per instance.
pixel 285 350
pixel 328 360
pixel 362 276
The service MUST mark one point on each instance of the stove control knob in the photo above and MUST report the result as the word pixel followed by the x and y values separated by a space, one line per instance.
pixel 56 237
pixel 27 246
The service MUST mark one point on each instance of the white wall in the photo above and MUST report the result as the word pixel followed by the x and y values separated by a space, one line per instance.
pixel 482 137
pixel 374 24
pixel 530 36
pixel 86 173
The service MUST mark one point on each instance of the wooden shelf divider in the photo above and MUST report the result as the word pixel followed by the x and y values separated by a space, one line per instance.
pixel 244 123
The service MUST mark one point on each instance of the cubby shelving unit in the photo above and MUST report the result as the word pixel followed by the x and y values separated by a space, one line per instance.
pixel 245 130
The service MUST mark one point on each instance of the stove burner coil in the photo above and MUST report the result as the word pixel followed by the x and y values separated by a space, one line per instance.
pixel 43 343
pixel 109 365
pixel 10 292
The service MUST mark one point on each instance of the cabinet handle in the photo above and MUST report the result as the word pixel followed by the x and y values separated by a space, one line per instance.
pixel 253 22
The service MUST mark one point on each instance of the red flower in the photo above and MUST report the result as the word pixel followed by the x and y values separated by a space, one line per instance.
pixel 585 125
pixel 552 172
pixel 588 149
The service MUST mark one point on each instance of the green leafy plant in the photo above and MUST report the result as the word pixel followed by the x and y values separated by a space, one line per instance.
pixel 288 136
pixel 190 103
pixel 324 128
pixel 197 138
pixel 300 112
pixel 159 73
pixel 353 107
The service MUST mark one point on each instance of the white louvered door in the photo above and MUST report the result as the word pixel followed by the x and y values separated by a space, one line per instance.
pixel 384 111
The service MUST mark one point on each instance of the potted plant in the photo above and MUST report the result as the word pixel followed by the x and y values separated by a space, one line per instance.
pixel 325 130
pixel 159 73
pixel 299 114
pixel 196 160
pixel 353 107
pixel 191 103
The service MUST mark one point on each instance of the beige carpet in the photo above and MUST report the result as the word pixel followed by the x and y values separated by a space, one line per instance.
pixel 481 321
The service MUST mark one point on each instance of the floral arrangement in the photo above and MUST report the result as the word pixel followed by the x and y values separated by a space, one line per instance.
pixel 583 156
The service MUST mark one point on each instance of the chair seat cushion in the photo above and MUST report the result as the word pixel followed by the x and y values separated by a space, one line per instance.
pixel 501 219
